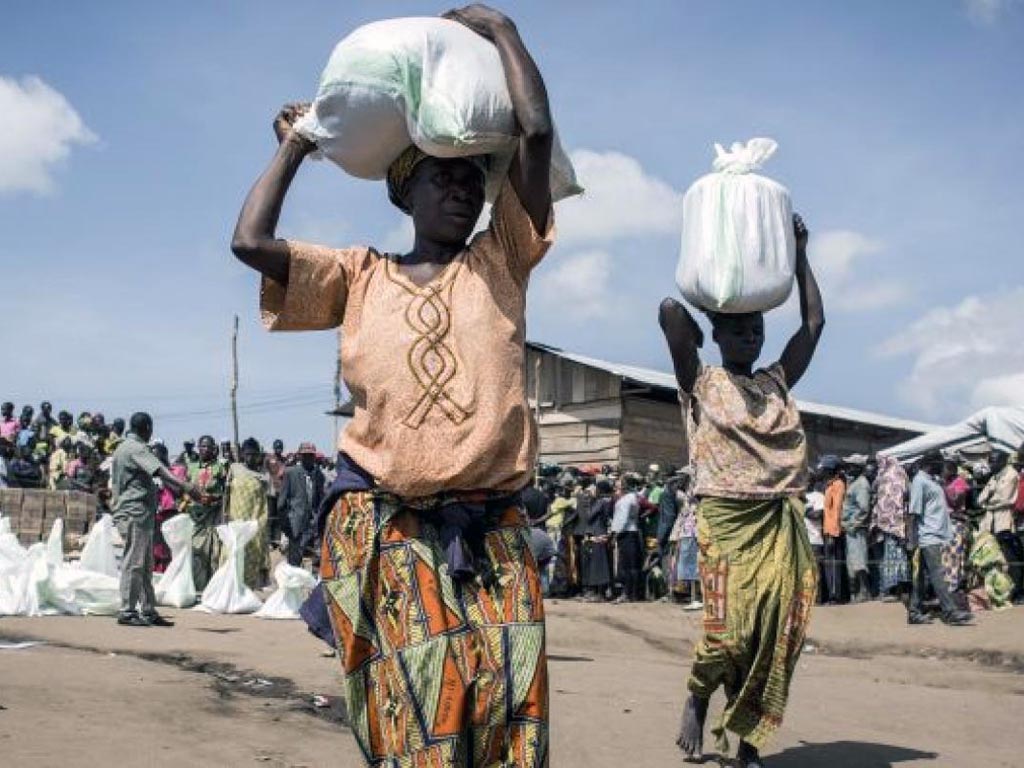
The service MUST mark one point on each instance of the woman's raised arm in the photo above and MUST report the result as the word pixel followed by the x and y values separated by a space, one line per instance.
pixel 254 241
pixel 684 338
pixel 796 357
pixel 531 168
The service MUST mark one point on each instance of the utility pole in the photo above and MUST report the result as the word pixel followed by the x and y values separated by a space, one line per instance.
pixel 337 390
pixel 234 385
pixel 536 408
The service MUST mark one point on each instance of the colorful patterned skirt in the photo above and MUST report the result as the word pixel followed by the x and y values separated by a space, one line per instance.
pixel 437 672
pixel 760 580
pixel 954 556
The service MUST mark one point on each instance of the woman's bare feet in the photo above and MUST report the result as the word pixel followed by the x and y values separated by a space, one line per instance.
pixel 691 731
pixel 748 757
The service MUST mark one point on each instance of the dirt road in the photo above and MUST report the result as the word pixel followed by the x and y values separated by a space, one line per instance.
pixel 236 691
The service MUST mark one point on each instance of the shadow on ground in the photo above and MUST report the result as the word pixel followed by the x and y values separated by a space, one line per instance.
pixel 846 754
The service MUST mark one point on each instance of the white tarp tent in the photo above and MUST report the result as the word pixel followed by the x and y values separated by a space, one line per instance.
pixel 992 428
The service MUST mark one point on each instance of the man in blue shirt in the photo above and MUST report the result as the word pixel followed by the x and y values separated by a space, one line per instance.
pixel 928 531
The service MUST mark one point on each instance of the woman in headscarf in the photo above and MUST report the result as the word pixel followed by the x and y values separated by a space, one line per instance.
pixel 245 498
pixel 166 508
pixel 890 522
pixel 954 555
pixel 432 590
pixel 758 570
pixel 208 476
pixel 684 536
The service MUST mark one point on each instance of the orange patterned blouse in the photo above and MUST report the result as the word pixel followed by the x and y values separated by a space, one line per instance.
pixel 435 371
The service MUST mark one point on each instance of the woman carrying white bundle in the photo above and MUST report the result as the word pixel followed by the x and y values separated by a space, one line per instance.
pixel 750 457
pixel 433 593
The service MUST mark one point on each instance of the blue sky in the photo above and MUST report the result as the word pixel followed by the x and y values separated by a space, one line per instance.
pixel 129 136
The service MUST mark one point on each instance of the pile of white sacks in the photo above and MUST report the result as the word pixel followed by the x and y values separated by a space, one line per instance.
pixel 37 581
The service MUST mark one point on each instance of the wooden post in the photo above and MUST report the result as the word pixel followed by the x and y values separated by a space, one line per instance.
pixel 536 408
pixel 234 385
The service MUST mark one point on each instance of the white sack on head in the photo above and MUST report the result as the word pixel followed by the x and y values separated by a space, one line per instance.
pixel 293 587
pixel 738 251
pixel 176 588
pixel 98 554
pixel 424 81
pixel 227 592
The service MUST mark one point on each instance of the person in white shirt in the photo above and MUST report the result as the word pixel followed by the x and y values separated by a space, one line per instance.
pixel 814 514
pixel 628 542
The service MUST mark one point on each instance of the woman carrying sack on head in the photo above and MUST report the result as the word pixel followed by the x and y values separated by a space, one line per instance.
pixel 433 594
pixel 757 567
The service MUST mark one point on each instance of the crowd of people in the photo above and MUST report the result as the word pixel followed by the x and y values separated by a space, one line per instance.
pixel 942 524
pixel 597 534
pixel 281 490
pixel 600 536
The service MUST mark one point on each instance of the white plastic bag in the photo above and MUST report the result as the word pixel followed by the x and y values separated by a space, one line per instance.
pixel 293 587
pixel 738 249
pixel 38 582
pixel 98 554
pixel 176 587
pixel 425 81
pixel 227 592
pixel 15 571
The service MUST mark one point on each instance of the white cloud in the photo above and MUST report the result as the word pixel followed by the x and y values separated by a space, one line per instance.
pixel 621 200
pixel 38 128
pixel 966 356
pixel 999 390
pixel 987 12
pixel 841 259
pixel 577 289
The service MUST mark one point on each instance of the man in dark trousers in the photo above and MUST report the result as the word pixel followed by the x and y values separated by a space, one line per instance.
pixel 297 503
pixel 132 478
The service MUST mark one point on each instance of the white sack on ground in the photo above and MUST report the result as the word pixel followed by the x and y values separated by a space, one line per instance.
pixel 738 251
pixel 293 587
pixel 176 588
pixel 74 590
pixel 424 81
pixel 37 581
pixel 18 595
pixel 227 592
pixel 99 554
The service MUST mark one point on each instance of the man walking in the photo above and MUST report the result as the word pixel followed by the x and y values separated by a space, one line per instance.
pixel 928 531
pixel 134 511
pixel 300 497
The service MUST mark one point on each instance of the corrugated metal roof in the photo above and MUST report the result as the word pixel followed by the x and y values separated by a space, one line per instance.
pixel 660 379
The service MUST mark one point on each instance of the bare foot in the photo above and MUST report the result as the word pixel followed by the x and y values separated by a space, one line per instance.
pixel 691 731
pixel 748 757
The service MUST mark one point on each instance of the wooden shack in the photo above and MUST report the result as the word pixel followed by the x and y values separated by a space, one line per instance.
pixel 593 411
